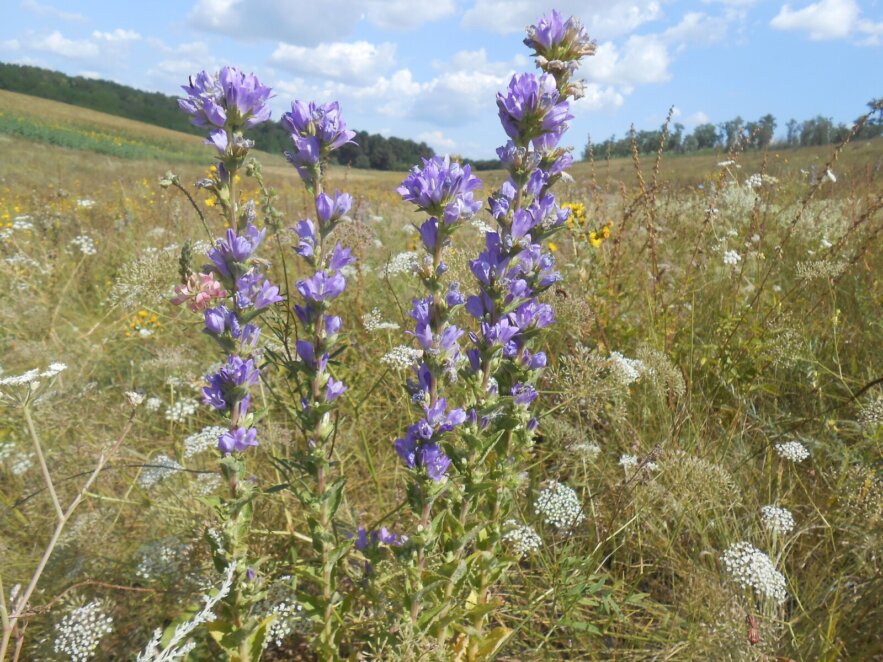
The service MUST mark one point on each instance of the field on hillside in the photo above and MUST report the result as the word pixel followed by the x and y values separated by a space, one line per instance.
pixel 717 351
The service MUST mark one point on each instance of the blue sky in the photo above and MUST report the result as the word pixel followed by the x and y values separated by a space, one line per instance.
pixel 428 70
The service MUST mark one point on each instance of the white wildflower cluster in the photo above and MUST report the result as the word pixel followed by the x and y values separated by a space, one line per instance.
pixel 628 461
pixel 633 462
pixel 751 568
pixel 161 467
pixel 85 203
pixel 559 506
pixel 153 404
pixel 32 377
pixel 793 451
pixel 162 559
pixel 20 463
pixel 732 258
pixel 626 370
pixel 282 602
pixel 180 411
pixel 402 263
pixel 206 484
pixel 777 520
pixel 871 414
pixel 22 224
pixel 134 398
pixel 203 440
pixel 7 449
pixel 373 321
pixel 84 243
pixel 78 634
pixel 401 357
pixel 521 538
pixel 587 449
pixel 757 180
pixel 482 227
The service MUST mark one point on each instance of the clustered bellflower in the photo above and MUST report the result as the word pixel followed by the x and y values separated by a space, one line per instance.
pixel 316 131
pixel 443 190
pixel 226 103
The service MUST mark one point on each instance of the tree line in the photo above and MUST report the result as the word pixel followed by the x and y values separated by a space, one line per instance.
pixel 737 133
pixel 371 151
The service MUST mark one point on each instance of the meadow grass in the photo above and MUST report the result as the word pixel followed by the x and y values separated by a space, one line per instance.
pixel 744 318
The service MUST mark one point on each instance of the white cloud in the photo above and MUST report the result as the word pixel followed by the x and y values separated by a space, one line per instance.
pixel 438 141
pixel 117 36
pixel 10 45
pixel 645 59
pixel 602 18
pixel 696 119
pixel 826 19
pixel 311 23
pixel 51 12
pixel 180 62
pixel 353 61
pixel 58 44
pixel 598 98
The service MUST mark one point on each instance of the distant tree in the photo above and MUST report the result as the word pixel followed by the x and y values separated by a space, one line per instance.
pixel 706 136
pixel 732 132
pixel 793 135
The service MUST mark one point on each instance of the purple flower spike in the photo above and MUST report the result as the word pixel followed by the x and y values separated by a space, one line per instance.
pixel 229 99
pixel 322 122
pixel 553 38
pixel 442 189
pixel 530 107
pixel 237 439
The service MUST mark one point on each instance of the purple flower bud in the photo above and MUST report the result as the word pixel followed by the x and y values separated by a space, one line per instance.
pixel 215 320
pixel 334 389
pixel 454 297
pixel 330 209
pixel 429 234
pixel 332 325
pixel 321 287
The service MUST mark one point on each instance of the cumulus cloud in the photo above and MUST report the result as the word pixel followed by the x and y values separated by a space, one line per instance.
pixel 645 59
pixel 48 11
pixel 180 62
pixel 117 36
pixel 311 23
pixel 438 141
pixel 340 60
pixel 58 44
pixel 826 19
pixel 603 18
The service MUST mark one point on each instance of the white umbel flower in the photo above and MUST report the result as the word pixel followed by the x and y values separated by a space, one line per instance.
pixel 203 440
pixel 751 568
pixel 373 321
pixel 559 506
pixel 792 451
pixel 162 466
pixel 777 520
pixel 78 634
pixel 401 357
pixel 521 538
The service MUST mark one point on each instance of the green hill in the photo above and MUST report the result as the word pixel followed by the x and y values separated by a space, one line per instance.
pixel 371 150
